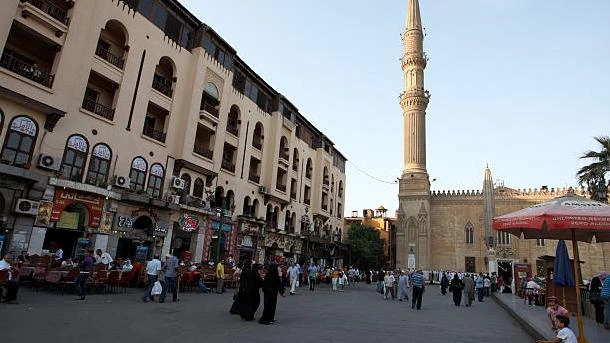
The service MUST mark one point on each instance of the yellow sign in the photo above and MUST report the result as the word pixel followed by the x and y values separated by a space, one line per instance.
pixel 68 220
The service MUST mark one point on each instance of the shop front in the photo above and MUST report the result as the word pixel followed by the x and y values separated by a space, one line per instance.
pixel 281 246
pixel 188 236
pixel 249 237
pixel 220 238
pixel 139 233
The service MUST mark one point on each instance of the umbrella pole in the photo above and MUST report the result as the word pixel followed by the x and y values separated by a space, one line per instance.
pixel 581 334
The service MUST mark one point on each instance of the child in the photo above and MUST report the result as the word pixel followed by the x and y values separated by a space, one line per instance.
pixel 565 334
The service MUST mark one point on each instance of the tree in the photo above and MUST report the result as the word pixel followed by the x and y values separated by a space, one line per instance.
pixel 366 246
pixel 594 174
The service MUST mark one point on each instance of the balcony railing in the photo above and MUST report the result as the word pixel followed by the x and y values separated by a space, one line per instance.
pixel 254 178
pixel 293 195
pixel 233 130
pixel 284 155
pixel 203 151
pixel 97 108
pixel 210 108
pixel 257 144
pixel 307 201
pixel 154 134
pixel 29 71
pixel 228 165
pixel 325 182
pixel 324 207
pixel 162 84
pixel 295 167
pixel 280 187
pixel 109 57
pixel 51 9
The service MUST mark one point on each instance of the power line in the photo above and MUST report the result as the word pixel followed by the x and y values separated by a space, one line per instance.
pixel 369 175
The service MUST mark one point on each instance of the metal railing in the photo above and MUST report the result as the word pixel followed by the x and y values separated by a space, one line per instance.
pixel 280 187
pixel 27 70
pixel 97 108
pixel 203 151
pixel 210 108
pixel 109 57
pixel 258 145
pixel 162 84
pixel 295 166
pixel 233 130
pixel 307 201
pixel 228 165
pixel 51 9
pixel 154 134
pixel 284 156
pixel 254 178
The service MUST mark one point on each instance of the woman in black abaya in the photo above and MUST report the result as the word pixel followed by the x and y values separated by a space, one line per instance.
pixel 272 285
pixel 248 297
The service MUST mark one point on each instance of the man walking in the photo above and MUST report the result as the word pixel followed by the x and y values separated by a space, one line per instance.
pixel 293 276
pixel 153 269
pixel 171 284
pixel 403 286
pixel 417 281
pixel 389 286
pixel 86 267
pixel 479 285
pixel 12 286
pixel 313 275
pixel 220 275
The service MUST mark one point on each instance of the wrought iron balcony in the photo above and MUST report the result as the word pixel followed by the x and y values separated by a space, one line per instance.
pixel 228 165
pixel 280 187
pixel 254 178
pixel 258 145
pixel 109 57
pixel 27 70
pixel 284 155
pixel 203 151
pixel 97 108
pixel 210 108
pixel 162 84
pixel 154 134
pixel 51 9
pixel 233 130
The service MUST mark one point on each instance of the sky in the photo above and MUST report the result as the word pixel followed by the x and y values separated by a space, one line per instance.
pixel 520 85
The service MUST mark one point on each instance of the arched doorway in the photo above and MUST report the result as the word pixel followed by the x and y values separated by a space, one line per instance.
pixel 136 244
pixel 218 246
pixel 70 227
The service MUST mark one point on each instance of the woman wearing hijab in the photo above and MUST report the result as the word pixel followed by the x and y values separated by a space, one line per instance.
pixel 456 286
pixel 444 283
pixel 272 285
pixel 248 297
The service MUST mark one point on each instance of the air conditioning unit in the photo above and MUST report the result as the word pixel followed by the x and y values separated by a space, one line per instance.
pixel 27 206
pixel 178 183
pixel 121 181
pixel 49 162
pixel 262 189
pixel 173 199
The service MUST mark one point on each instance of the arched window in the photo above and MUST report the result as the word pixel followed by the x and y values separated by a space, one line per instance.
pixel 75 158
pixel 340 189
pixel 503 238
pixel 229 201
pixel 186 177
pixel 258 136
pixel 99 165
pixel 325 176
pixel 1 120
pixel 198 188
pixel 246 208
pixel 287 221
pixel 20 141
pixel 219 197
pixel 276 217
pixel 210 99
pixel 163 79
pixel 469 231
pixel 295 160
pixel 254 210
pixel 293 222
pixel 137 174
pixel 269 216
pixel 212 90
pixel 155 181
pixel 233 120
pixel 308 168
pixel 284 149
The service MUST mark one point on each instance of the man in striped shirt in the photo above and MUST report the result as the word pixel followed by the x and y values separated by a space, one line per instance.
pixel 417 281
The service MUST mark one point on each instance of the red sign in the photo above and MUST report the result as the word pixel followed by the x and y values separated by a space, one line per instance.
pixel 65 198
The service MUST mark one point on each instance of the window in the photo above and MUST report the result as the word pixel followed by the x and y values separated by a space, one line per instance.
pixel 187 182
pixel 75 157
pixel 99 165
pixel 20 141
pixel 137 175
pixel 470 264
pixel 540 242
pixel 1 120
pixel 469 230
pixel 212 90
pixel 198 188
pixel 308 169
pixel 155 181
pixel 503 238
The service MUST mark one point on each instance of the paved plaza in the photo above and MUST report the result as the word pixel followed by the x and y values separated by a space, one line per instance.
pixel 356 315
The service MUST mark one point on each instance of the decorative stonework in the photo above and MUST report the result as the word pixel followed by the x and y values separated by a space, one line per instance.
pixel 216 79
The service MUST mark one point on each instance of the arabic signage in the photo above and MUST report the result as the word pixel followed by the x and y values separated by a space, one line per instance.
pixel 125 223
pixel 64 198
pixel 225 227
pixel 188 222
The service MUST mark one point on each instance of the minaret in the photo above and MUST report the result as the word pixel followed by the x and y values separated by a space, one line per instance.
pixel 490 205
pixel 413 236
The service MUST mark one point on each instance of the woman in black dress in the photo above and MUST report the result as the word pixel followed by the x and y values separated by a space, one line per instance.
pixel 248 297
pixel 456 286
pixel 272 285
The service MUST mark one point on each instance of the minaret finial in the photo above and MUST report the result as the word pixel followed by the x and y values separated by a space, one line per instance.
pixel 413 16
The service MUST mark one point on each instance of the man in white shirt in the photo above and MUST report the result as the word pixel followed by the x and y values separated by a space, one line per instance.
pixel 565 334
pixel 389 285
pixel 11 292
pixel 103 258
pixel 153 269
pixel 532 289
pixel 293 276
pixel 59 253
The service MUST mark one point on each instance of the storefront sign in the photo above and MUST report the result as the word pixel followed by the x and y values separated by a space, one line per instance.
pixel 225 227
pixel 246 241
pixel 125 223
pixel 188 222
pixel 68 220
pixel 65 198
pixel 44 213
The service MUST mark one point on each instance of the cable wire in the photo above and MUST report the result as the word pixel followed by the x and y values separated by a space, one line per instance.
pixel 371 176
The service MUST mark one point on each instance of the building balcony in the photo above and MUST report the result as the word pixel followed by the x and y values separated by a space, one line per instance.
pixel 307 201
pixel 210 108
pixel 284 156
pixel 27 70
pixel 51 9
pixel 97 108
pixel 293 195
pixel 257 145
pixel 325 182
pixel 203 151
pixel 325 207
pixel 254 178
pixel 295 167
pixel 280 187
pixel 109 57
pixel 228 165
pixel 157 135
pixel 162 84
pixel 233 130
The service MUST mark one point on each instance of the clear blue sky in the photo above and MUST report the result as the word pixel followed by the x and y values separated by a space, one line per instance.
pixel 520 84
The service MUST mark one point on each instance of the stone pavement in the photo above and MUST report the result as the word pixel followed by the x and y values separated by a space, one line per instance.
pixel 357 315
pixel 534 320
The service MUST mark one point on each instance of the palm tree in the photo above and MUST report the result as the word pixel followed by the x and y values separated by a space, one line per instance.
pixel 594 174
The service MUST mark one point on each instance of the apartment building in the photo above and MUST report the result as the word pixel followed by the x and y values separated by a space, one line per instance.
pixel 133 127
